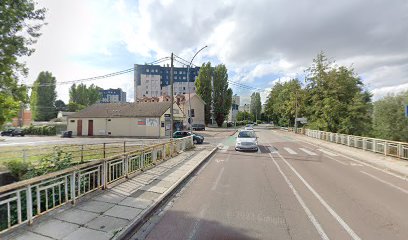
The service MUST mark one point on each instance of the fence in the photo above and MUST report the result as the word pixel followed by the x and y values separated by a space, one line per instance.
pixel 22 202
pixel 80 152
pixel 385 147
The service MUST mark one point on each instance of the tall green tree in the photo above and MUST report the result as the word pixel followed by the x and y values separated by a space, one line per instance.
pixel 20 22
pixel 389 121
pixel 81 96
pixel 222 94
pixel 60 105
pixel 43 96
pixel 256 105
pixel 283 100
pixel 204 89
pixel 337 100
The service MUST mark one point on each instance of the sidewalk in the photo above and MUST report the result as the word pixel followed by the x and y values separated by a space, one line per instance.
pixel 106 214
pixel 384 163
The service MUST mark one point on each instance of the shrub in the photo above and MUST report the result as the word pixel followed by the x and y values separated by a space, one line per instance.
pixel 18 168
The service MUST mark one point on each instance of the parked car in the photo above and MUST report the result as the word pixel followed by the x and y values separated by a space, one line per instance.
pixel 198 127
pixel 246 141
pixel 198 139
pixel 13 132
pixel 249 127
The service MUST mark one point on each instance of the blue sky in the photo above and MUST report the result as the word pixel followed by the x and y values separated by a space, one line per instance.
pixel 259 41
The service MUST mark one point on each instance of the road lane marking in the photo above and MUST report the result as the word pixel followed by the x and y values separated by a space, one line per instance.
pixel 363 163
pixel 218 179
pixel 290 151
pixel 272 149
pixel 197 223
pixel 346 227
pixel 309 214
pixel 308 152
pixel 327 152
pixel 385 182
pixel 341 162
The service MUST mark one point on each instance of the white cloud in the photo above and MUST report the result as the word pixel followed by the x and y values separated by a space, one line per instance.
pixel 255 39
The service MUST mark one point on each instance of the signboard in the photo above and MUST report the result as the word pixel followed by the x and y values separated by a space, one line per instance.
pixel 141 121
pixel 152 122
pixel 301 120
pixel 406 110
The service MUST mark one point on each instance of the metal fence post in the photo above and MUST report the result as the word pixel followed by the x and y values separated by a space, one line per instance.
pixel 82 153
pixel 29 201
pixel 104 174
pixel 125 166
pixel 364 144
pixel 104 150
pixel 124 146
pixel 73 188
pixel 385 148
pixel 400 151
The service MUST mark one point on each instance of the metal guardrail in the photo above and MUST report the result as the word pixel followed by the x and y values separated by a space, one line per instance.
pixel 381 146
pixel 79 152
pixel 23 201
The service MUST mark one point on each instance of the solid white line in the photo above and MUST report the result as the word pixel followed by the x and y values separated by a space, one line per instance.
pixel 218 179
pixel 346 227
pixel 341 162
pixel 363 163
pixel 290 151
pixel 385 182
pixel 327 152
pixel 309 214
pixel 308 152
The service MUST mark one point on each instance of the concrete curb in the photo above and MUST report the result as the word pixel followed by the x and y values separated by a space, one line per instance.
pixel 128 232
pixel 232 134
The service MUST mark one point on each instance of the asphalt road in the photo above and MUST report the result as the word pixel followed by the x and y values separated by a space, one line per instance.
pixel 288 190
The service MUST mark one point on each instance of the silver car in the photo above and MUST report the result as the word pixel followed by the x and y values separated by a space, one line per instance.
pixel 246 141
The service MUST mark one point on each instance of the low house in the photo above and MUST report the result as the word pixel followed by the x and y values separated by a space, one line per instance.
pixel 197 107
pixel 144 119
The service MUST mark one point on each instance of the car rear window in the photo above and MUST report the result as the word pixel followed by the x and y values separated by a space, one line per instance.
pixel 246 134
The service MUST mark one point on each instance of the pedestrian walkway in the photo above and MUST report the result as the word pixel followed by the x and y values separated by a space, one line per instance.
pixel 106 213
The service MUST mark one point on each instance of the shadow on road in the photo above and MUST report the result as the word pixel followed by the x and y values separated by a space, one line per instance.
pixel 177 225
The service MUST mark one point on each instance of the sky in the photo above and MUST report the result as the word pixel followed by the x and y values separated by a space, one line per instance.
pixel 260 41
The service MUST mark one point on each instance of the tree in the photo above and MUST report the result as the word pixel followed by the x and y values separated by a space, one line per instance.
pixel 85 96
pixel 336 99
pixel 20 25
pixel 222 94
pixel 256 105
pixel 60 105
pixel 204 89
pixel 43 97
pixel 242 116
pixel 283 100
pixel 389 121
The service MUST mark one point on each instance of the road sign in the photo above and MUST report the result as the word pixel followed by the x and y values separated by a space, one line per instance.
pixel 406 110
pixel 302 120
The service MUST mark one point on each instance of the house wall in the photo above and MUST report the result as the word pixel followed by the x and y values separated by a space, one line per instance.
pixel 198 107
pixel 126 127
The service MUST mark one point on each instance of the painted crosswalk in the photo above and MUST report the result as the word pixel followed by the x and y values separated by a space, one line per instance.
pixel 327 152
pixel 290 151
pixel 308 152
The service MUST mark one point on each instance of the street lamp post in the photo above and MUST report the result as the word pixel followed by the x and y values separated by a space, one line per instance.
pixel 190 119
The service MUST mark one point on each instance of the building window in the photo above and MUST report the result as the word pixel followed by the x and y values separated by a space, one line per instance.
pixel 72 120
pixel 184 88
pixel 147 70
pixel 147 92
pixel 192 113
pixel 175 72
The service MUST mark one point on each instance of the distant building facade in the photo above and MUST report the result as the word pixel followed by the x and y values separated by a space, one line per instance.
pixel 232 116
pixel 154 80
pixel 112 96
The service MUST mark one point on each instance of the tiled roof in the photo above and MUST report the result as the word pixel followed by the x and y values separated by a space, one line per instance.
pixel 107 110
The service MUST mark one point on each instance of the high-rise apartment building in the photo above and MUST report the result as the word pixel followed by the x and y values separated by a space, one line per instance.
pixel 154 80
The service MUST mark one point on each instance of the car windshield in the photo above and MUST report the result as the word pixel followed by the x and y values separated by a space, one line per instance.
pixel 246 134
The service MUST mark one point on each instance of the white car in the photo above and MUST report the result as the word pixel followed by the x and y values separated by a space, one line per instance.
pixel 246 141
pixel 249 127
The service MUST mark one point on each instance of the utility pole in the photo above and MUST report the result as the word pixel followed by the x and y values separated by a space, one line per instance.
pixel 172 97
pixel 296 111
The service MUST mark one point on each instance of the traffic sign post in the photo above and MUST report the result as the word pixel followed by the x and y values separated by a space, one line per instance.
pixel 406 110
